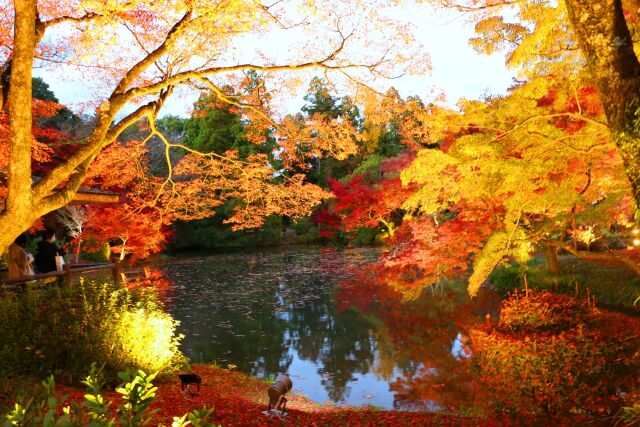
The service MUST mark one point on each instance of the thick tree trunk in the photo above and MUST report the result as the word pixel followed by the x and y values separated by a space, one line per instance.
pixel 19 213
pixel 605 41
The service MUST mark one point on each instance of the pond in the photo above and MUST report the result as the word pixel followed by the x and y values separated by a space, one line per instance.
pixel 296 310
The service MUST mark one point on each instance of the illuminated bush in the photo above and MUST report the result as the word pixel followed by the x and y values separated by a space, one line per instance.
pixel 61 330
pixel 545 310
pixel 145 338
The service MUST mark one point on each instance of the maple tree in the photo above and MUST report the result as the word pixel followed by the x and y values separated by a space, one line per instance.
pixel 559 38
pixel 362 203
pixel 525 169
pixel 536 168
pixel 136 225
pixel 162 46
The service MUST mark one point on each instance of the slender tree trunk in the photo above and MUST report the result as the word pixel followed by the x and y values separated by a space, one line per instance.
pixel 605 41
pixel 551 255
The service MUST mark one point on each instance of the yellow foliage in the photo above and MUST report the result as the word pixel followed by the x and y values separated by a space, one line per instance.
pixel 543 164
pixel 493 252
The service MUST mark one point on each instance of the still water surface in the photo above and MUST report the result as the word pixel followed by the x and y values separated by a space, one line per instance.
pixel 285 310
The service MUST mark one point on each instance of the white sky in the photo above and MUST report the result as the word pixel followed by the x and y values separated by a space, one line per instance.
pixel 457 70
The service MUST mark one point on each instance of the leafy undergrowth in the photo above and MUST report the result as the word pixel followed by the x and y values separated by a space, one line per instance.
pixel 551 356
pixel 238 400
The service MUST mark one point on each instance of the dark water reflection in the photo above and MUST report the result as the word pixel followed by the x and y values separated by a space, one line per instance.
pixel 289 310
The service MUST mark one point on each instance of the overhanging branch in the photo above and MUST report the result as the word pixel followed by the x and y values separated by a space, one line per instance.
pixel 596 256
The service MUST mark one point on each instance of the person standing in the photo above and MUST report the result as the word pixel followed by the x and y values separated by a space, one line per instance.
pixel 19 262
pixel 47 252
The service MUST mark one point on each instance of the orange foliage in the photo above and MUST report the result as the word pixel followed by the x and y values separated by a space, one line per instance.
pixel 135 233
pixel 550 356
pixel 302 140
pixel 206 181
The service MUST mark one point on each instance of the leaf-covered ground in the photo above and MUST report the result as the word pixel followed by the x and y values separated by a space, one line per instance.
pixel 238 400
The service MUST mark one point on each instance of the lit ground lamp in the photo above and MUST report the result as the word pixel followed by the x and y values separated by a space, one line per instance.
pixel 277 401
pixel 636 238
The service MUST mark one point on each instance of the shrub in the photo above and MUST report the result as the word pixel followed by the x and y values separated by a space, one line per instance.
pixel 364 236
pixel 552 357
pixel 61 330
pixel 99 253
pixel 545 311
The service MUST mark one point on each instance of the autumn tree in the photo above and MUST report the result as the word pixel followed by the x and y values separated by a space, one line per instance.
pixel 162 46
pixel 323 140
pixel 535 167
pixel 216 126
pixel 547 38
pixel 64 120
pixel 362 202
pixel 138 225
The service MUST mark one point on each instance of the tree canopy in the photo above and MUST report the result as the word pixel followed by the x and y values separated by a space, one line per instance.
pixel 161 47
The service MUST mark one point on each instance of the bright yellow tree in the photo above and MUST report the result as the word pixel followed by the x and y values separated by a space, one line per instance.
pixel 598 37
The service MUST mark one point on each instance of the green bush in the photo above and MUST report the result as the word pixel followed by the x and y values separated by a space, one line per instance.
pixel 99 255
pixel 365 236
pixel 306 230
pixel 61 330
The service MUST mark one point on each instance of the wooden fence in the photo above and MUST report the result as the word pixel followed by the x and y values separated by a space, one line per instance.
pixel 66 276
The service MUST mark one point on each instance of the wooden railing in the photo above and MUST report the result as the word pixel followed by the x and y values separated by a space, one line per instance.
pixel 66 276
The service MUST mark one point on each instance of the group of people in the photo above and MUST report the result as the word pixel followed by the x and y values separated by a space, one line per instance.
pixel 21 263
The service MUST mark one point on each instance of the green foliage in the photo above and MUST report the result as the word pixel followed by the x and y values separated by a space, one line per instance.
pixel 369 168
pixel 322 105
pixel 40 90
pixel 136 394
pixel 630 415
pixel 365 236
pixel 321 102
pixel 212 233
pixel 610 286
pixel 173 125
pixel 64 119
pixel 57 330
pixel 101 255
pixel 215 130
pixel 215 127
pixel 306 231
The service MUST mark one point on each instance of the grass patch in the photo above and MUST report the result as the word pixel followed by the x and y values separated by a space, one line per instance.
pixel 611 285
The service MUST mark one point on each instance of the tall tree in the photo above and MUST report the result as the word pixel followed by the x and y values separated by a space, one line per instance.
pixel 141 51
pixel 545 37
pixel 602 30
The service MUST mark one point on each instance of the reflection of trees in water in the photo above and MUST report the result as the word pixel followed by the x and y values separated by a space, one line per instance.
pixel 251 311
pixel 423 339
pixel 255 342
pixel 228 315
pixel 418 337
pixel 340 342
